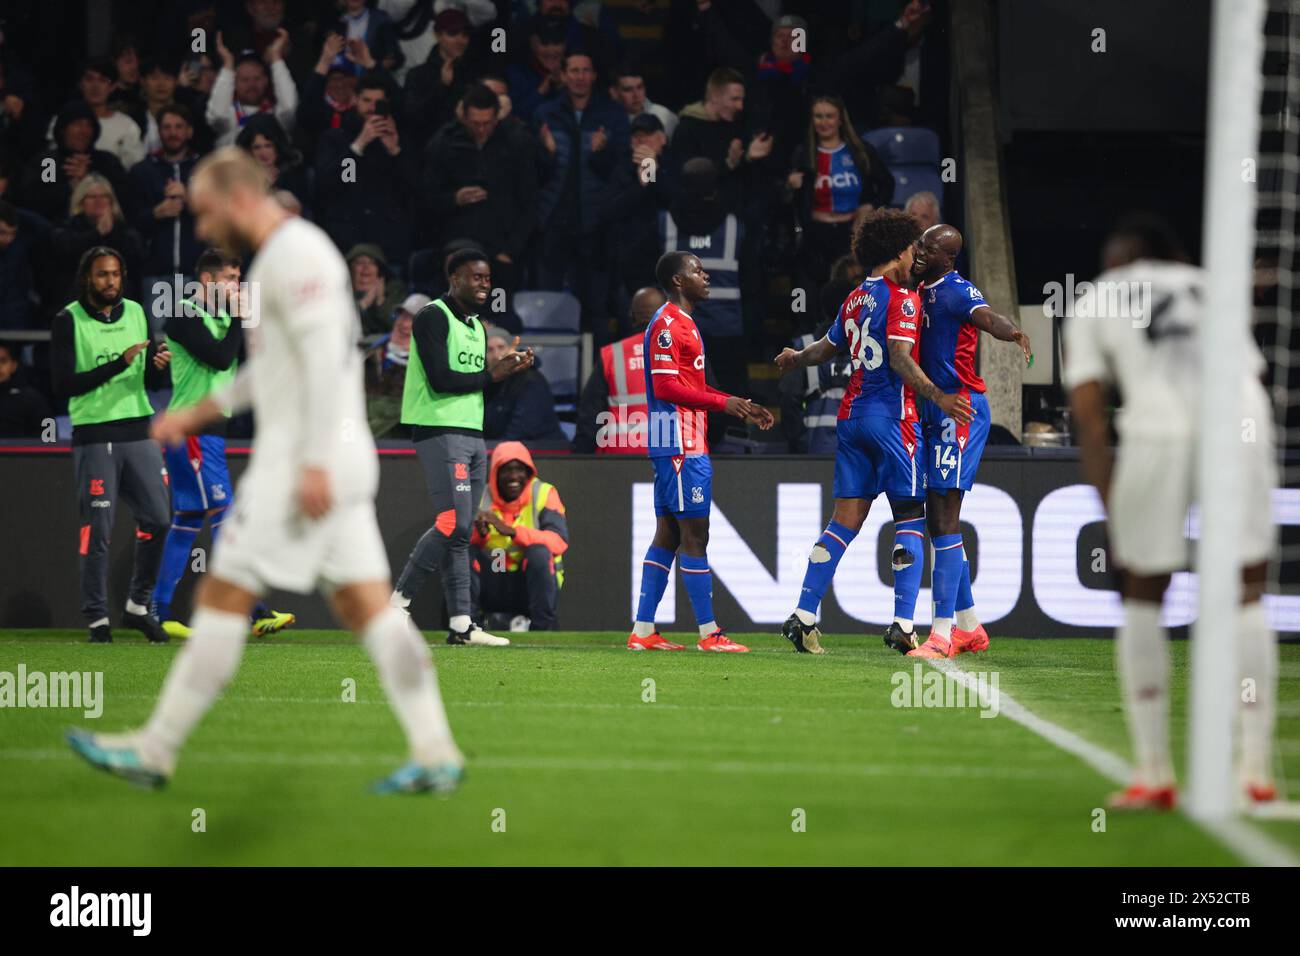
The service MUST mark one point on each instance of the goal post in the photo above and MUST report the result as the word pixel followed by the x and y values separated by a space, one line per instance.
pixel 1232 137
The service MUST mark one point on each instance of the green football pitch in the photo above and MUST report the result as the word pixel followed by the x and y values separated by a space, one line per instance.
pixel 580 752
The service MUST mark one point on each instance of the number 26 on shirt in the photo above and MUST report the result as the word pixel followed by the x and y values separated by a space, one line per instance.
pixel 858 343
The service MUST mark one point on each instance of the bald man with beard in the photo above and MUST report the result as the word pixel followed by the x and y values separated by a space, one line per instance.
pixel 953 315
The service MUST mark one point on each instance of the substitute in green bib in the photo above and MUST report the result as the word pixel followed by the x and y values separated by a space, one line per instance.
pixel 204 335
pixel 102 362
pixel 442 401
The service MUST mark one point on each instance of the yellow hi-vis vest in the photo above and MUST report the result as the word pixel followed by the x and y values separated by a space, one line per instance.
pixel 497 542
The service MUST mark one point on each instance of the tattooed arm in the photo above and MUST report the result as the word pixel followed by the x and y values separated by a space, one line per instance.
pixel 900 360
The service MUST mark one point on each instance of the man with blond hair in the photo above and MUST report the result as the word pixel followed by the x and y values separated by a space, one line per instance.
pixel 924 208
pixel 304 514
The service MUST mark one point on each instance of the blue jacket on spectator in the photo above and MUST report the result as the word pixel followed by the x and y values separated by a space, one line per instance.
pixel 596 181
pixel 523 82
pixel 172 247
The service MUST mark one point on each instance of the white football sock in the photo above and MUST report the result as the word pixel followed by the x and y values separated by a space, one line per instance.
pixel 460 623
pixel 1142 660
pixel 942 626
pixel 202 669
pixel 1258 655
pixel 133 608
pixel 406 672
pixel 905 623
pixel 806 618
pixel 708 628
pixel 399 600
pixel 643 628
pixel 967 620
pixel 100 623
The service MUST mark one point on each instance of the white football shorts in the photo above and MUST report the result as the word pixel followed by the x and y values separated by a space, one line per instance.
pixel 265 547
pixel 1154 484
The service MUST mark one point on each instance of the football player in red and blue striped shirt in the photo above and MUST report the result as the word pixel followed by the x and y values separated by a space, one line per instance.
pixel 954 314
pixel 679 402
pixel 879 437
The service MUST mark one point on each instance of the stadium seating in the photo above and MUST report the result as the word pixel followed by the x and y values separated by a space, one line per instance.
pixel 559 364
pixel 552 321
pixel 548 311
pixel 912 155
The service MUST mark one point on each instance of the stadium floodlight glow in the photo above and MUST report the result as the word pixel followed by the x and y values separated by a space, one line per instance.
pixel 1236 54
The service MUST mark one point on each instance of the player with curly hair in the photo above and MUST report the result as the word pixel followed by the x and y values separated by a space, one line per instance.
pixel 879 436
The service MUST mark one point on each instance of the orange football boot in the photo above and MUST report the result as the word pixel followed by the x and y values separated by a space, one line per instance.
pixel 1261 792
pixel 934 648
pixel 655 642
pixel 1139 797
pixel 718 641
pixel 969 642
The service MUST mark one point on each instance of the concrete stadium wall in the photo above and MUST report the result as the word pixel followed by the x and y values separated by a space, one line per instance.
pixel 1033 532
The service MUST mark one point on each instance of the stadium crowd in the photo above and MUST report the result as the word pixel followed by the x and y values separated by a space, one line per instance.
pixel 411 129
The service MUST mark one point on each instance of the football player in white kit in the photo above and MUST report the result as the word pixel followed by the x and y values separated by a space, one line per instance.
pixel 304 514
pixel 1152 357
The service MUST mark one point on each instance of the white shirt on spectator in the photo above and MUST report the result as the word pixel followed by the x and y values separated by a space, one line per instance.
pixel 415 51
pixel 665 116
pixel 223 117
pixel 358 25
pixel 118 134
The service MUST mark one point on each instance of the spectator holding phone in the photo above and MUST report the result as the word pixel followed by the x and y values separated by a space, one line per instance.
pixel 198 75
pixel 480 177
pixel 360 24
pixel 366 178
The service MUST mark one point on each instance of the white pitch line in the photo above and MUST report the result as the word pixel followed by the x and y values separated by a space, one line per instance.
pixel 597 765
pixel 1252 845
pixel 544 704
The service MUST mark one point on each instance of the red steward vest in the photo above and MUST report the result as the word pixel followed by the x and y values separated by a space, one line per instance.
pixel 622 430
